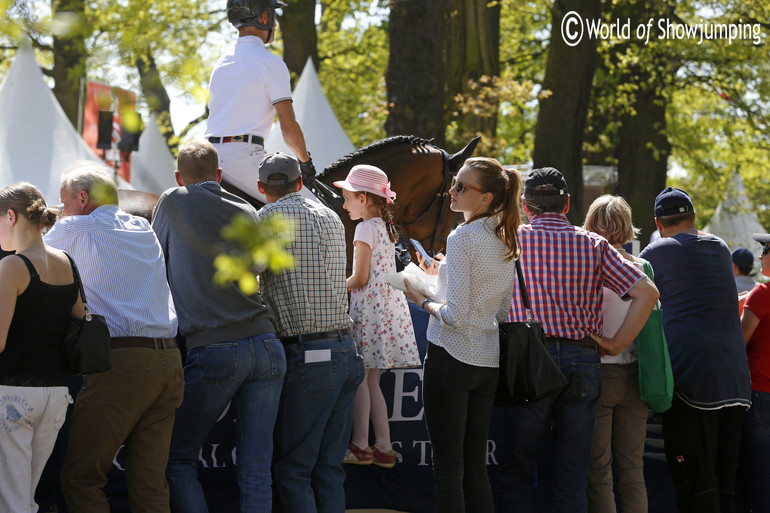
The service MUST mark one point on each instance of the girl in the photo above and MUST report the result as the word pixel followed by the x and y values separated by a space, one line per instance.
pixel 475 289
pixel 382 325
pixel 37 298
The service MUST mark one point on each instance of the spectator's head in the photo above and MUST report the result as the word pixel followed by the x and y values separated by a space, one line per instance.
pixel 86 185
pixel 24 201
pixel 743 262
pixel 545 191
pixel 197 162
pixel 764 259
pixel 279 175
pixel 610 217
pixel 673 207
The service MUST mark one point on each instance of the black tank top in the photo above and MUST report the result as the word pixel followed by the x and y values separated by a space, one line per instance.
pixel 32 355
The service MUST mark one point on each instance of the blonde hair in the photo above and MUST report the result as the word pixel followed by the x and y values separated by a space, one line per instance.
pixel 610 217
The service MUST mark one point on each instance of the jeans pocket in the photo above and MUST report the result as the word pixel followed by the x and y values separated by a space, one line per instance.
pixel 760 408
pixel 318 379
pixel 216 363
pixel 176 398
pixel 66 400
pixel 274 348
pixel 586 381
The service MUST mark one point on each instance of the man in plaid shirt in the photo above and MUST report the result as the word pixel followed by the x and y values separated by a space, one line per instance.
pixel 565 268
pixel 315 417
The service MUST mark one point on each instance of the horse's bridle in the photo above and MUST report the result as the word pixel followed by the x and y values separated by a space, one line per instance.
pixel 440 196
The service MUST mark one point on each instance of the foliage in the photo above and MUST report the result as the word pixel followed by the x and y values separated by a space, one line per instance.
pixel 262 246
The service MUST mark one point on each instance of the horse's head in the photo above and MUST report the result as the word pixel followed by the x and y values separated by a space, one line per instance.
pixel 138 203
pixel 455 162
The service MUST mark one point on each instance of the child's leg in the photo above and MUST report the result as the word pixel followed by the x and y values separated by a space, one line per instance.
pixel 361 410
pixel 379 412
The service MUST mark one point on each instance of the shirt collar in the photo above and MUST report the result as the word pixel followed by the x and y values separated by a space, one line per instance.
pixel 291 197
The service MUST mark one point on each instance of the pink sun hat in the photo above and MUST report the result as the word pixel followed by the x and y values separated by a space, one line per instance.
pixel 366 178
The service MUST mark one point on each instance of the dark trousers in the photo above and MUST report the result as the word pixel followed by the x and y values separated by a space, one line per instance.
pixel 458 400
pixel 702 448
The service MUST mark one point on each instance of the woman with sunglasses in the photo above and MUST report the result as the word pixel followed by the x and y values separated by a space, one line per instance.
pixel 475 287
pixel 755 443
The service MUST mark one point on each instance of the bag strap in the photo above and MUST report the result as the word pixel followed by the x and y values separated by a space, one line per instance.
pixel 523 290
pixel 76 275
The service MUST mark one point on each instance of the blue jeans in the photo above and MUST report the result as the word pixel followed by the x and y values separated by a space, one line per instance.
pixel 314 423
pixel 458 400
pixel 755 452
pixel 249 372
pixel 569 419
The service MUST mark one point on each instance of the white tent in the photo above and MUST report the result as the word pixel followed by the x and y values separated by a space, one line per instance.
pixel 37 140
pixel 735 218
pixel 326 141
pixel 152 167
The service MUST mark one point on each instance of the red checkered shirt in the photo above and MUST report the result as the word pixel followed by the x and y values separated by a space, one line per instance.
pixel 565 268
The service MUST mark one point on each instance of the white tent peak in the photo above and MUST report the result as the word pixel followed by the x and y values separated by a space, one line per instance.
pixel 735 218
pixel 324 136
pixel 37 140
pixel 152 166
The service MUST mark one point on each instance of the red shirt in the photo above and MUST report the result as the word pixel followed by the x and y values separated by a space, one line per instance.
pixel 758 347
pixel 565 268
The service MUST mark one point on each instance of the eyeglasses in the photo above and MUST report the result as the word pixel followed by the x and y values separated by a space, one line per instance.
pixel 460 186
pixel 765 250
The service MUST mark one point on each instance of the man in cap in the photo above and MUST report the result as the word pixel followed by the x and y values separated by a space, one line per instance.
pixel 702 430
pixel 565 268
pixel 233 352
pixel 743 265
pixel 315 417
pixel 249 86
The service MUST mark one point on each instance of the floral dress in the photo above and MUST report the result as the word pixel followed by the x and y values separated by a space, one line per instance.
pixel 383 328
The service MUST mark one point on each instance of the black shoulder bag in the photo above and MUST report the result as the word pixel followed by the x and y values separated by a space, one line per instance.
pixel 527 371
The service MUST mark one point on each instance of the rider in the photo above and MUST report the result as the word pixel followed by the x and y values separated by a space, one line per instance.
pixel 249 86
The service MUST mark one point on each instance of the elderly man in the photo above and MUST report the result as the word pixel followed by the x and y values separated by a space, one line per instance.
pixel 124 276
pixel 233 353
pixel 565 268
pixel 702 430
pixel 315 417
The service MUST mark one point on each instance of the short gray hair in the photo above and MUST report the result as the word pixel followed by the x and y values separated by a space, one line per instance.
pixel 93 177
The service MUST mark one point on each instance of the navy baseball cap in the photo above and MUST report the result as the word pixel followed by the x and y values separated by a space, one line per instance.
pixel 278 169
pixel 742 257
pixel 672 201
pixel 545 176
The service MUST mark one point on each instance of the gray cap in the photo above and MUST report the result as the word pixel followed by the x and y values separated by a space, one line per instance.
pixel 278 169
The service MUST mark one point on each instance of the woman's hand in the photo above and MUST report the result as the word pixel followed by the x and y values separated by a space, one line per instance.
pixel 412 294
pixel 433 268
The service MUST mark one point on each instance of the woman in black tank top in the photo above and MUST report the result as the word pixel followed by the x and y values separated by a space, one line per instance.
pixel 37 298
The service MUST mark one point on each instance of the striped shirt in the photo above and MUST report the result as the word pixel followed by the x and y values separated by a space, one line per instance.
pixel 312 296
pixel 565 268
pixel 122 269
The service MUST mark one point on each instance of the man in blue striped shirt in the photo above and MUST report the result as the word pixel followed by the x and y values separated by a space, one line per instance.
pixel 124 275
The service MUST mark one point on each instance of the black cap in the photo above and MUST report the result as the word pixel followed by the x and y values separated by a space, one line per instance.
pixel 545 176
pixel 672 201
pixel 742 257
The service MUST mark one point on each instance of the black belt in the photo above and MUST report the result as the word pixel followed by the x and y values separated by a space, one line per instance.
pixel 152 343
pixel 238 138
pixel 586 342
pixel 307 337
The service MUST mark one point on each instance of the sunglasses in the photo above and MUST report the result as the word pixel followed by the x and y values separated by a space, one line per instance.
pixel 460 186
pixel 765 250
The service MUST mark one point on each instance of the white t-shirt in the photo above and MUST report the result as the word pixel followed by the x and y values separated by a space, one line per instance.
pixel 245 84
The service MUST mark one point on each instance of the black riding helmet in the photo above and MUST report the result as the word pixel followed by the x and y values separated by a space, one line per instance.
pixel 242 13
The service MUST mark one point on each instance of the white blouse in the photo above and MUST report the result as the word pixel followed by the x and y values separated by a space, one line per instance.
pixel 476 286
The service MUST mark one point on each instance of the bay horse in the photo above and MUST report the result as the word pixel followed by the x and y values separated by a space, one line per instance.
pixel 419 171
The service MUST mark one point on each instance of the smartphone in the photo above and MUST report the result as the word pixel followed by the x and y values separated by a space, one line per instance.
pixel 421 250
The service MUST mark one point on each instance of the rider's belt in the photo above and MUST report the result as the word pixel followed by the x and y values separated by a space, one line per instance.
pixel 255 139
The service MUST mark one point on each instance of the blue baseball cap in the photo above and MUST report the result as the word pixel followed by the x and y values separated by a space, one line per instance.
pixel 672 201
pixel 742 257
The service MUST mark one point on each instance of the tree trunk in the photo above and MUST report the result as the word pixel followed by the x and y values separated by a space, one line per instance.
pixel 415 77
pixel 561 120
pixel 473 55
pixel 297 26
pixel 156 95
pixel 69 59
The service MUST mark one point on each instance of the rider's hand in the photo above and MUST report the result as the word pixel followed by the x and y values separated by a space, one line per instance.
pixel 307 169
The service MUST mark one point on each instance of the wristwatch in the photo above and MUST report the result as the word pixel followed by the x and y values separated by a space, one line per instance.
pixel 427 299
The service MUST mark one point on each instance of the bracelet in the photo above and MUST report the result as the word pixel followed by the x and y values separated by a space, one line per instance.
pixel 427 299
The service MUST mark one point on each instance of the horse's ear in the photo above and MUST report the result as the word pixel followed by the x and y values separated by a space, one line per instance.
pixel 456 160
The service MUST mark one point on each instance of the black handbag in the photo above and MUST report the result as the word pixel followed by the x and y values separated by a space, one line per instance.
pixel 527 371
pixel 86 344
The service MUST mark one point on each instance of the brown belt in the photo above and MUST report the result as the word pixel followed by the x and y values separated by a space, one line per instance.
pixel 586 342
pixel 151 343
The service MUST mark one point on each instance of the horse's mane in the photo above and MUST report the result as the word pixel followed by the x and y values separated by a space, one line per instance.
pixel 379 145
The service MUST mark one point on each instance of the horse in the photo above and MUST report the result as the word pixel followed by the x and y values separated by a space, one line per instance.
pixel 419 171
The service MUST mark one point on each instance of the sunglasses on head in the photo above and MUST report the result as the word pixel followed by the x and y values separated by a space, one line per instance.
pixel 460 186
pixel 765 250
